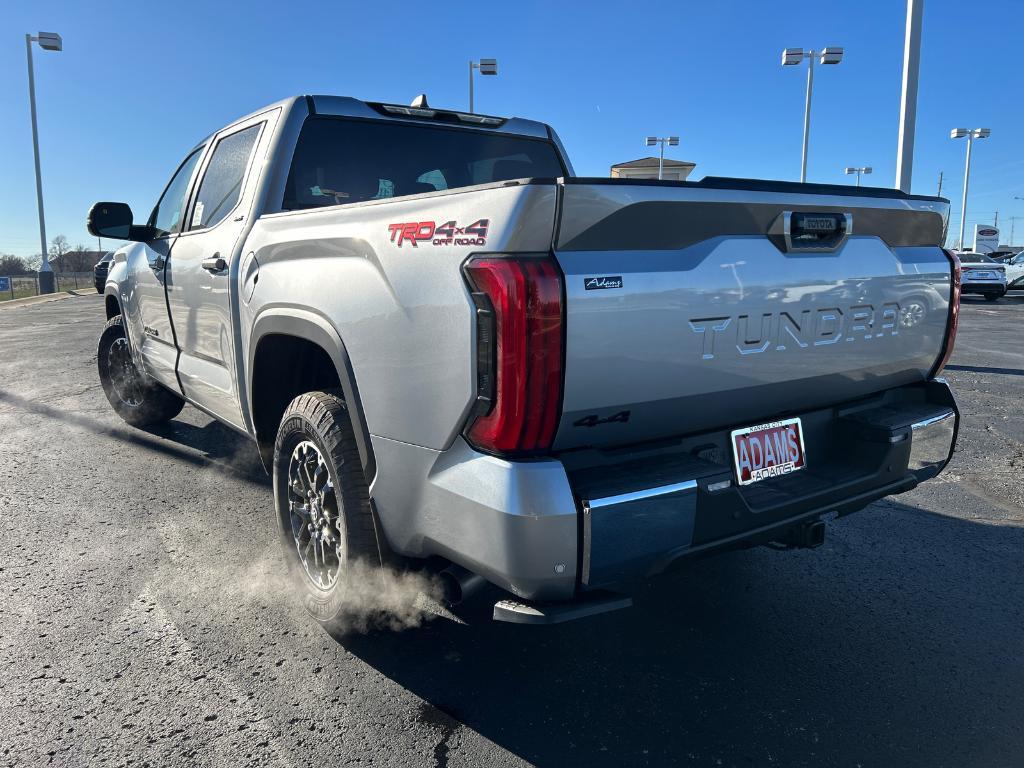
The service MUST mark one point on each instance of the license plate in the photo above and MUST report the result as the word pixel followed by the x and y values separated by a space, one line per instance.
pixel 982 275
pixel 768 450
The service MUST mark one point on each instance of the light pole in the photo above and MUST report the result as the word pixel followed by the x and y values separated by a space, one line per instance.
pixel 865 170
pixel 792 57
pixel 672 141
pixel 908 103
pixel 971 134
pixel 486 67
pixel 48 41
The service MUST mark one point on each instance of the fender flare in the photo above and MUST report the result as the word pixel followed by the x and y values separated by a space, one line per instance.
pixel 291 321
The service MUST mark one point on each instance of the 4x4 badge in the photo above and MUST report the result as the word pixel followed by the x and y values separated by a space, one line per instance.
pixel 432 233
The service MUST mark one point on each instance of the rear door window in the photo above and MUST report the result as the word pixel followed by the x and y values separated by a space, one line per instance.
pixel 221 187
pixel 338 160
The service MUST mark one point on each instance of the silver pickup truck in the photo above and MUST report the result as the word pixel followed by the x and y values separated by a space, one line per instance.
pixel 453 353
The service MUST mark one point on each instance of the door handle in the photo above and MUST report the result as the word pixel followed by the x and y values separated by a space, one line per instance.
pixel 215 264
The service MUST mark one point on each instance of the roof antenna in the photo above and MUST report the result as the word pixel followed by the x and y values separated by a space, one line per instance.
pixel 420 102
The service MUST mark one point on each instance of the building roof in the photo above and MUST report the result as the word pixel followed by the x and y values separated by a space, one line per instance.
pixel 652 162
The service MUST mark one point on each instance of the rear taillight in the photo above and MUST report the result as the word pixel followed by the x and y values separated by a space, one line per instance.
pixel 954 312
pixel 519 352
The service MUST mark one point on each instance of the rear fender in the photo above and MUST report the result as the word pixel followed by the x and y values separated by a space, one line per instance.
pixel 316 329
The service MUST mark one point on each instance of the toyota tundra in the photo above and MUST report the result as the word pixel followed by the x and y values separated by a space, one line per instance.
pixel 453 353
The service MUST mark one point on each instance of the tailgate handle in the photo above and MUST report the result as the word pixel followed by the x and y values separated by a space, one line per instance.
pixel 215 263
pixel 811 232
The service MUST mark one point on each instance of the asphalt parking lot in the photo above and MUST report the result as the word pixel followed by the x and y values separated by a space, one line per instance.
pixel 144 619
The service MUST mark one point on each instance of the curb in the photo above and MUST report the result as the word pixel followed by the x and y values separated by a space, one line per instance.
pixel 44 299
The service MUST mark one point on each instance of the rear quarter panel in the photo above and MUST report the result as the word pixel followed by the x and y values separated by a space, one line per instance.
pixel 402 310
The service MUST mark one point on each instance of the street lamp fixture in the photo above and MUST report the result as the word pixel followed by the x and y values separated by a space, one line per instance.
pixel 486 67
pixel 672 141
pixel 48 41
pixel 793 56
pixel 865 170
pixel 971 134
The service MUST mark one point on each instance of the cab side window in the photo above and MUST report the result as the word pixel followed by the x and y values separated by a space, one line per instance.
pixel 221 187
pixel 166 216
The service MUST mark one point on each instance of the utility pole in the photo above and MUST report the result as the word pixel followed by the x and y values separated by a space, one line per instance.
pixel 939 193
pixel 908 105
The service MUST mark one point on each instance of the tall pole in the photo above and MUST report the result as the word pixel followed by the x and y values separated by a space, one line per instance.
pixel 807 116
pixel 939 193
pixel 470 87
pixel 45 270
pixel 661 159
pixel 967 178
pixel 908 105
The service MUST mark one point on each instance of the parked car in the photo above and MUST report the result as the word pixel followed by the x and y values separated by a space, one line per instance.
pixel 981 274
pixel 101 269
pixel 450 350
pixel 1014 268
pixel 1001 256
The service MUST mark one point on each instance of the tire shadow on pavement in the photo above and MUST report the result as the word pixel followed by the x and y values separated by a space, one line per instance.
pixel 896 643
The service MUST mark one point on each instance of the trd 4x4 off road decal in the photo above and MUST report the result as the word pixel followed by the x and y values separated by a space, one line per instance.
pixel 432 233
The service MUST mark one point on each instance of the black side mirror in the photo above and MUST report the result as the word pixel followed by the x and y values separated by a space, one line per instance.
pixel 114 220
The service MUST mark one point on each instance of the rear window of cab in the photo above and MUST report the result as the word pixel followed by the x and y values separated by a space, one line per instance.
pixel 340 160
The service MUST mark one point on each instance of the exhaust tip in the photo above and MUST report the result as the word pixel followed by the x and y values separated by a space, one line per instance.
pixel 459 584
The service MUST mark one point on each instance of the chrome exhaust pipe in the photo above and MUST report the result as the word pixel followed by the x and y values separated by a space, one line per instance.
pixel 459 584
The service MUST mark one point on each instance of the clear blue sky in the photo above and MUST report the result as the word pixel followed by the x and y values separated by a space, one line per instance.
pixel 139 83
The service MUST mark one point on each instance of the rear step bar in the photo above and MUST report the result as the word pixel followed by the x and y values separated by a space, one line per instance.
pixel 589 604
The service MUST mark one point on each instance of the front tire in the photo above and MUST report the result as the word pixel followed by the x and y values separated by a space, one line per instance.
pixel 138 401
pixel 323 506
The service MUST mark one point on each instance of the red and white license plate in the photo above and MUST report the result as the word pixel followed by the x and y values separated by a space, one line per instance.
pixel 768 450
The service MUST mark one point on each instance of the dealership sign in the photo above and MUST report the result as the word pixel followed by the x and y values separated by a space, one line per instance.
pixel 5 283
pixel 986 238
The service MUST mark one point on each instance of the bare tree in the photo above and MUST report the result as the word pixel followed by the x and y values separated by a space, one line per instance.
pixel 58 249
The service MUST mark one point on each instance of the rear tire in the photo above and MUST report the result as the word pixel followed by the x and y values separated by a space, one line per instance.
pixel 323 507
pixel 133 397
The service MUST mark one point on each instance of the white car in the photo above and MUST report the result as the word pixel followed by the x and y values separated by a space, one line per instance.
pixel 983 275
pixel 1015 272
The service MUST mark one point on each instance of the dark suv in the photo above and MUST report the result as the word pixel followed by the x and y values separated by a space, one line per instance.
pixel 101 269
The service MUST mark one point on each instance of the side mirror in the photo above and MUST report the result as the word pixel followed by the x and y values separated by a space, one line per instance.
pixel 114 220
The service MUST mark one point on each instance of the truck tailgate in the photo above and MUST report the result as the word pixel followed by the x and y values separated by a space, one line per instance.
pixel 698 306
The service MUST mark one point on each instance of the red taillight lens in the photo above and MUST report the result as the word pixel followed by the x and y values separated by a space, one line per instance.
pixel 954 312
pixel 519 352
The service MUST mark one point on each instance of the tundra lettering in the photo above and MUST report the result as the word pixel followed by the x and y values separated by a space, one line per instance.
pixel 829 326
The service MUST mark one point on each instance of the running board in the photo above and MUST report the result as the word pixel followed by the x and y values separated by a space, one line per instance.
pixel 589 604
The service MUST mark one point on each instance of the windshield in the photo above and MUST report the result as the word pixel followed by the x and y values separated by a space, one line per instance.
pixel 341 161
pixel 976 258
